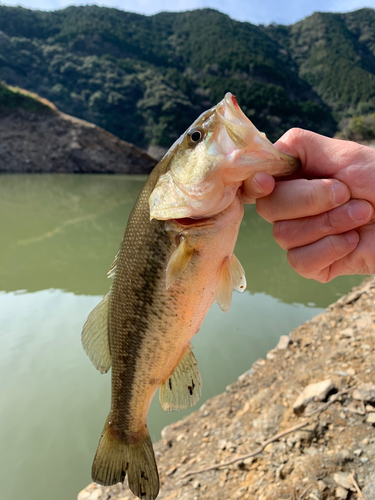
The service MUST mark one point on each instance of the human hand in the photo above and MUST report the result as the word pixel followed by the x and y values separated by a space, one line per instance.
pixel 324 216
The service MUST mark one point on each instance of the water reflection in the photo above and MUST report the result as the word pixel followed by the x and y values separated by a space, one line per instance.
pixel 62 231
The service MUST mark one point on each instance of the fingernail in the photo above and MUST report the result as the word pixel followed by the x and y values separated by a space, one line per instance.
pixel 255 186
pixel 359 210
pixel 340 192
pixel 352 237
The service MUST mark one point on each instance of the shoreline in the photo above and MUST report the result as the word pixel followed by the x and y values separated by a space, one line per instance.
pixel 336 434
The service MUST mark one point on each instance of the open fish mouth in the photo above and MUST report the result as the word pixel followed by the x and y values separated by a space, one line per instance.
pixel 208 164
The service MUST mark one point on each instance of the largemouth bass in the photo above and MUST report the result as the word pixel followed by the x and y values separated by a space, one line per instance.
pixel 176 258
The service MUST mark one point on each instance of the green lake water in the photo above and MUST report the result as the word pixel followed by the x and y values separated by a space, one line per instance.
pixel 59 234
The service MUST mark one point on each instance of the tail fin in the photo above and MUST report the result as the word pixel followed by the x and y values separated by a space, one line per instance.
pixel 114 459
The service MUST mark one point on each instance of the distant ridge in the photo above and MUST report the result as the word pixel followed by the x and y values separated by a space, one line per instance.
pixel 145 78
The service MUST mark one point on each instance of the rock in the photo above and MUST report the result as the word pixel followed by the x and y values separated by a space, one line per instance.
pixel 222 444
pixel 344 480
pixel 365 393
pixel 283 342
pixel 348 332
pixel 358 452
pixel 196 484
pixel 351 371
pixel 322 485
pixel 369 488
pixel 365 321
pixel 356 408
pixel 341 493
pixel 370 409
pixel 69 145
pixel 318 391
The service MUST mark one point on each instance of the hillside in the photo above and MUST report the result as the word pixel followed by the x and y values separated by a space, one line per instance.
pixel 35 137
pixel 145 78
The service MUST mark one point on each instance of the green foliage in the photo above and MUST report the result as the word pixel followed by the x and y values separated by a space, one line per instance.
pixel 359 128
pixel 16 98
pixel 147 78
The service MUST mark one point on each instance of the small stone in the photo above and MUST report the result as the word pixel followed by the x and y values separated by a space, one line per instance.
pixel 371 418
pixel 344 480
pixel 83 495
pixel 365 441
pixel 222 444
pixel 348 332
pixel 365 392
pixel 196 484
pixel 270 355
pixel 358 452
pixel 322 485
pixel 364 460
pixel 283 342
pixel 341 493
pixel 370 409
pixel 317 391
pixel 351 371
pixel 356 408
pixel 366 347
pixel 364 321
pixel 180 437
pixel 95 494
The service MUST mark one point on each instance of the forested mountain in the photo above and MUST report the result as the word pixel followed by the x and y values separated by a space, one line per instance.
pixel 145 78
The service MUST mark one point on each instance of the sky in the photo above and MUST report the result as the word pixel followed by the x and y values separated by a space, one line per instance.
pixel 254 11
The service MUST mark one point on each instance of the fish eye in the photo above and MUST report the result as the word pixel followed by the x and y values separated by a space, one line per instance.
pixel 195 136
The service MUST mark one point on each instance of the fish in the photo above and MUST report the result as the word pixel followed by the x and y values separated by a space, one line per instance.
pixel 175 259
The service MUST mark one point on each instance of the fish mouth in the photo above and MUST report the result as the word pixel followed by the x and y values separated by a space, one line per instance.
pixel 190 221
pixel 252 151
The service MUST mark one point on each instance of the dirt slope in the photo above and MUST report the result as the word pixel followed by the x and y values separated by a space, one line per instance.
pixel 51 141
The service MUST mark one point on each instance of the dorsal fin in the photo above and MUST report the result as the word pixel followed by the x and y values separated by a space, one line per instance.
pixel 95 337
pixel 112 270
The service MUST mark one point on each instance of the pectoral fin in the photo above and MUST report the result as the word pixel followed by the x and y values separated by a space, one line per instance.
pixel 178 261
pixel 183 388
pixel 225 286
pixel 95 338
pixel 239 280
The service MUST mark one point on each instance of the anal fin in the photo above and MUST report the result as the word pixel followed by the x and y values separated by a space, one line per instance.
pixel 95 339
pixel 184 387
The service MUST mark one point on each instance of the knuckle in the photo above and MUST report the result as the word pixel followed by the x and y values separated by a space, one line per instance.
pixel 327 224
